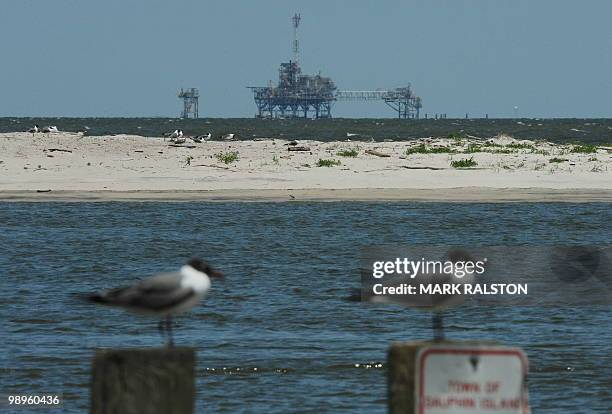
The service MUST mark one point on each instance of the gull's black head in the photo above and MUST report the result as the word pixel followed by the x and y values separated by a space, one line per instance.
pixel 204 267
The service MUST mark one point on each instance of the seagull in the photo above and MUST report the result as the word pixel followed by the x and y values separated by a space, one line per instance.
pixel 163 295
pixel 200 138
pixel 177 137
pixel 433 302
pixel 51 128
pixel 34 129
pixel 178 133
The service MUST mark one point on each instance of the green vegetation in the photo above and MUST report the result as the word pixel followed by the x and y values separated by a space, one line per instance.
pixel 593 159
pixel 492 148
pixel 348 153
pixel 518 146
pixel 489 148
pixel 227 157
pixel 327 163
pixel 555 160
pixel 423 149
pixel 584 149
pixel 464 163
pixel 455 135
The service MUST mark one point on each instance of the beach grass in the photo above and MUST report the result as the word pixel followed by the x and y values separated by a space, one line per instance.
pixel 328 163
pixel 424 149
pixel 348 153
pixel 584 149
pixel 519 146
pixel 489 148
pixel 227 157
pixel 464 163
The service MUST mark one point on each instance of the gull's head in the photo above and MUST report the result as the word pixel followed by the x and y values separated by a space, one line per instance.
pixel 202 266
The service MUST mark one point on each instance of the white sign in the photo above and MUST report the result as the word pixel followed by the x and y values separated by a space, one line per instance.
pixel 471 380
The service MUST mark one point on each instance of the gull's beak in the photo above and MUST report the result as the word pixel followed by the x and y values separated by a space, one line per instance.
pixel 215 274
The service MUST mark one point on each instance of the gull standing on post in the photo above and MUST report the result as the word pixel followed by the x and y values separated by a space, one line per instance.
pixel 163 295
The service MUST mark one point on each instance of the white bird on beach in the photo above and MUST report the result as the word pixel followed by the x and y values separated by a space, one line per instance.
pixel 34 129
pixel 163 295
pixel 228 137
pixel 178 133
pixel 50 128
pixel 177 137
pixel 200 138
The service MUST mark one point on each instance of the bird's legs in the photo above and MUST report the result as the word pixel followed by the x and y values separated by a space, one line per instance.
pixel 161 329
pixel 437 324
pixel 169 330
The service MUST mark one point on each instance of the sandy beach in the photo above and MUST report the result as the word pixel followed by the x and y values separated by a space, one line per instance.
pixel 69 166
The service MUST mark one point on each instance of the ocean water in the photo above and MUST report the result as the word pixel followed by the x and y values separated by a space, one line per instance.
pixel 590 131
pixel 277 336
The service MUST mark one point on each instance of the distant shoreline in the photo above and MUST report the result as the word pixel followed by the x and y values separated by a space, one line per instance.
pixel 440 195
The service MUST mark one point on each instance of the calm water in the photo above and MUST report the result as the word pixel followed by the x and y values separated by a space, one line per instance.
pixel 592 131
pixel 276 336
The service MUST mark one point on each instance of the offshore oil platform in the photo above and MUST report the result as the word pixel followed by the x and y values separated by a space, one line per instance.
pixel 302 96
pixel 190 97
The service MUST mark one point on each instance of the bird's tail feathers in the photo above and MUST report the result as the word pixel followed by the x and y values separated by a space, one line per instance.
pixel 96 298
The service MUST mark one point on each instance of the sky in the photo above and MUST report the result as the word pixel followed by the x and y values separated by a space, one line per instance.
pixel 81 58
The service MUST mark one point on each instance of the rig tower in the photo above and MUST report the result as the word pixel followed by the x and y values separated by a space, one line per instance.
pixel 190 98
pixel 296 44
pixel 296 95
pixel 302 96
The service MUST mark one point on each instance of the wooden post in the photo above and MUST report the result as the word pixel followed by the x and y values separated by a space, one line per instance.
pixel 401 360
pixel 133 381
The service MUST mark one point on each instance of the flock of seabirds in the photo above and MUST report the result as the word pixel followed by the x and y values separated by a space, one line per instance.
pixel 176 137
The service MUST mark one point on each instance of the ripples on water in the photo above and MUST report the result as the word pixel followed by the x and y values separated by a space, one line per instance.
pixel 276 336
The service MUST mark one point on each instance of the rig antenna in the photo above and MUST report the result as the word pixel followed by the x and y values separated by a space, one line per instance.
pixel 296 44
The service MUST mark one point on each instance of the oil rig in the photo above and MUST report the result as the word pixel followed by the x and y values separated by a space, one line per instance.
pixel 190 99
pixel 302 96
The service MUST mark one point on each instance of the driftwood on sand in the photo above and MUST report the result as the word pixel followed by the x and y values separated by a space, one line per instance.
pixel 210 165
pixel 58 149
pixel 182 146
pixel 377 153
pixel 298 148
pixel 422 168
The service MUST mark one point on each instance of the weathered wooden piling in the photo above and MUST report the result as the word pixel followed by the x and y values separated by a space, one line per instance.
pixel 135 381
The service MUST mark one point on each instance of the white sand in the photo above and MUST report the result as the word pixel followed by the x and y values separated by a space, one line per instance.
pixel 118 167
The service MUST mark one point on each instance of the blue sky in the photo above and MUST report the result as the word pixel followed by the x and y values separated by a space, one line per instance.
pixel 551 58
